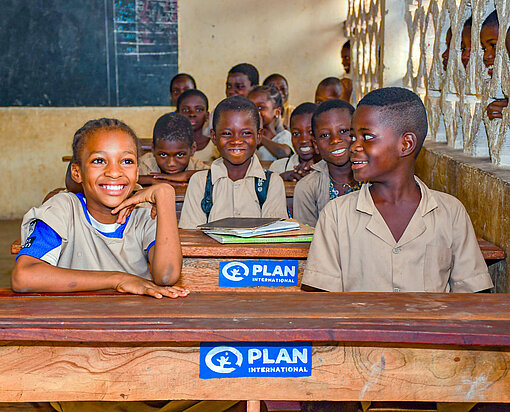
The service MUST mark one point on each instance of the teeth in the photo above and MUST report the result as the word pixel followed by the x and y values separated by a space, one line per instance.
pixel 113 187
pixel 306 149
pixel 360 162
pixel 339 151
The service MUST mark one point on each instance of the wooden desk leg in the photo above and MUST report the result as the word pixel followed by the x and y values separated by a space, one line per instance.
pixel 253 406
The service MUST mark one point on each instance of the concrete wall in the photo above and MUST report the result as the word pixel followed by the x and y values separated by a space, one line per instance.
pixel 35 139
pixel 483 188
pixel 300 39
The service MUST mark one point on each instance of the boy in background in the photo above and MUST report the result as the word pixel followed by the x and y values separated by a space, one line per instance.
pixel 173 147
pixel 236 185
pixel 395 234
pixel 179 84
pixel 331 88
pixel 241 80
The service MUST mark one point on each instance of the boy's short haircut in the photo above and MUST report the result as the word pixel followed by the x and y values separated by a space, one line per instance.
pixel 249 70
pixel 304 108
pixel 347 45
pixel 330 105
pixel 330 81
pixel 491 20
pixel 236 104
pixel 468 22
pixel 403 110
pixel 192 92
pixel 272 77
pixel 173 127
pixel 179 75
pixel 272 94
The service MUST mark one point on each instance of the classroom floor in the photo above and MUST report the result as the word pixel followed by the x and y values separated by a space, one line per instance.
pixel 9 231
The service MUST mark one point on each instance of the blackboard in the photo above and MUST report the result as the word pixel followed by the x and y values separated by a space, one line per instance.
pixel 87 53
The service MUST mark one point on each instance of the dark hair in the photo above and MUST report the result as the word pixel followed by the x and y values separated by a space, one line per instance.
pixel 236 104
pixel 468 22
pixel 179 75
pixel 491 20
pixel 192 92
pixel 303 108
pixel 272 94
pixel 330 105
pixel 347 45
pixel 403 110
pixel 272 77
pixel 173 127
pixel 249 70
pixel 331 81
pixel 80 137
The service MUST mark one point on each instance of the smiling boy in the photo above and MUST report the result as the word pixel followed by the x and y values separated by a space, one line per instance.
pixel 229 188
pixel 395 234
pixel 241 80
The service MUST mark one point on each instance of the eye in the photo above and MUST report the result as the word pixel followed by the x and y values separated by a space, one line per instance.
pixel 344 131
pixel 247 133
pixel 181 154
pixel 98 160
pixel 184 110
pixel 353 138
pixel 199 110
pixel 296 134
pixel 162 154
pixel 260 108
pixel 324 136
pixel 127 162
pixel 367 136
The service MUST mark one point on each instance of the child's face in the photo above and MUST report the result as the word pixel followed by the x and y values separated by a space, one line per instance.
pixel 325 93
pixel 375 149
pixel 465 45
pixel 266 108
pixel 179 86
pixel 333 136
pixel 302 136
pixel 236 137
pixel 346 58
pixel 445 56
pixel 489 39
pixel 172 157
pixel 238 84
pixel 108 170
pixel 280 84
pixel 193 107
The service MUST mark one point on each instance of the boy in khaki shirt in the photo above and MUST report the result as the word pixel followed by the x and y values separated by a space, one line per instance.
pixel 395 234
pixel 237 175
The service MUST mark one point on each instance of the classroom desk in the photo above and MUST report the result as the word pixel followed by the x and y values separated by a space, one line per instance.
pixel 366 346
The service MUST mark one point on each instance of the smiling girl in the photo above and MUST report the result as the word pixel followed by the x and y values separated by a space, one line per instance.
pixel 102 239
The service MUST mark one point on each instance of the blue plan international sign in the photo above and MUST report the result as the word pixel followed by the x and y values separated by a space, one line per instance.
pixel 277 360
pixel 258 273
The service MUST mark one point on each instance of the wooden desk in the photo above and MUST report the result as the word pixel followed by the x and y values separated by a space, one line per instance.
pixel 367 346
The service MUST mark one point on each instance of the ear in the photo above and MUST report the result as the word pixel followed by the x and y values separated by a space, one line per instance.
pixel 409 142
pixel 259 136
pixel 213 137
pixel 206 118
pixel 278 112
pixel 193 148
pixel 76 173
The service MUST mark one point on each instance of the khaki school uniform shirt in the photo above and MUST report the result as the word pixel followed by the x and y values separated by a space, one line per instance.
pixel 208 154
pixel 283 137
pixel 83 247
pixel 311 194
pixel 148 164
pixel 354 250
pixel 285 164
pixel 232 199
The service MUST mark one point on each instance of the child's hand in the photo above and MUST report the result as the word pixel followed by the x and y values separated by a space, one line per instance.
pixel 304 168
pixel 494 110
pixel 139 286
pixel 290 176
pixel 149 194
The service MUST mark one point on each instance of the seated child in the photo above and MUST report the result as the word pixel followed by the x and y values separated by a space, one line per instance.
pixel 489 39
pixel 101 239
pixel 293 168
pixel 280 83
pixel 332 176
pixel 331 88
pixel 236 185
pixel 495 109
pixel 179 84
pixel 173 147
pixel 276 143
pixel 194 105
pixel 395 234
pixel 241 80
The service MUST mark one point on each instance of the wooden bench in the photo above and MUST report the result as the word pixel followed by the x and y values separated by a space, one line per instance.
pixel 366 346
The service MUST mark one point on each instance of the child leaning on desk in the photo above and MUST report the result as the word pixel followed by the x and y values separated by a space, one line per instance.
pixel 102 239
pixel 236 185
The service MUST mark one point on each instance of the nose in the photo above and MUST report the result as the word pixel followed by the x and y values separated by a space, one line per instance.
pixel 113 170
pixel 356 146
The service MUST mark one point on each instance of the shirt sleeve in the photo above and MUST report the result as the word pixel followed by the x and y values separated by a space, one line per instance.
pixel 146 165
pixel 192 214
pixel 305 204
pixel 323 268
pixel 284 137
pixel 469 272
pixel 276 202
pixel 278 166
pixel 43 243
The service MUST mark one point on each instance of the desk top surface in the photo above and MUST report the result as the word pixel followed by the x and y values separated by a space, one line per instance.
pixel 407 318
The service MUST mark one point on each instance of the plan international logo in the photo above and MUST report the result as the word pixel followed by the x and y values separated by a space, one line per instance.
pixel 259 273
pixel 223 360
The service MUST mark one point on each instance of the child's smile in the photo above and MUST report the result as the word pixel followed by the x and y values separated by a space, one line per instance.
pixel 333 136
pixel 489 40
pixel 302 136
pixel 194 108
pixel 108 171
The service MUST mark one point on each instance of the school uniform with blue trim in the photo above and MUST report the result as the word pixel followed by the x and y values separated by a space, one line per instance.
pixel 232 199
pixel 62 233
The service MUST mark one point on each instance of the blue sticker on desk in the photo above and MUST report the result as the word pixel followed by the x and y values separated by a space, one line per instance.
pixel 276 360
pixel 258 273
